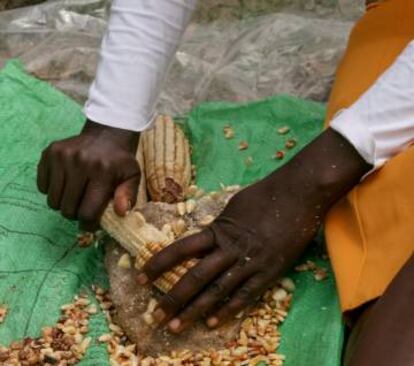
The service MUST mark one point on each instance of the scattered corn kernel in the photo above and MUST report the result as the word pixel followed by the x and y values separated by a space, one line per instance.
pixel 243 145
pixel 290 144
pixel 279 155
pixel 283 130
pixel 228 132
pixel 124 261
pixel 248 161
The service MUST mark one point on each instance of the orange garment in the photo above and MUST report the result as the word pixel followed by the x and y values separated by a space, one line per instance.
pixel 370 233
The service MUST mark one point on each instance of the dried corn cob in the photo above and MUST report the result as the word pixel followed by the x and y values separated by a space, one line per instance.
pixel 131 231
pixel 167 161
pixel 142 240
pixel 142 198
pixel 166 222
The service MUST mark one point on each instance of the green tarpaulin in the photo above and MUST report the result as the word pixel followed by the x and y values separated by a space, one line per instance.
pixel 41 267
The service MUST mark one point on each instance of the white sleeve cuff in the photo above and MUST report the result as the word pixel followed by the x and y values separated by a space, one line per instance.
pixel 357 133
pixel 380 124
pixel 118 119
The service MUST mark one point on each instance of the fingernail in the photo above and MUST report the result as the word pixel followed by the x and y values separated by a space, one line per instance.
pixel 175 324
pixel 142 279
pixel 159 315
pixel 212 322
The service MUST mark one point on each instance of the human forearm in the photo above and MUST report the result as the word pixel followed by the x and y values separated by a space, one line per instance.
pixel 324 170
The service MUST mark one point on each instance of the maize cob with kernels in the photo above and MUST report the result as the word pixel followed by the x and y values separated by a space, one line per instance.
pixel 131 231
pixel 142 240
pixel 167 161
pixel 156 225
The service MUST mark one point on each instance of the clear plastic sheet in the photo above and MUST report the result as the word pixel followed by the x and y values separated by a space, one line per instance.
pixel 234 50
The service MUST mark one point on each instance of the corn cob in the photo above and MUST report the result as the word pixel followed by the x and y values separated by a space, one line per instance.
pixel 167 161
pixel 166 222
pixel 142 198
pixel 142 240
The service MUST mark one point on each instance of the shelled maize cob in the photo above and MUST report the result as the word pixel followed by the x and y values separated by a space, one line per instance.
pixel 167 161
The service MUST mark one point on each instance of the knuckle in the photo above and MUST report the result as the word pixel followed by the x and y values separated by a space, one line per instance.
pixel 206 303
pixel 52 203
pixel 192 311
pixel 216 290
pixel 103 162
pixel 98 194
pixel 170 301
pixel 231 308
pixel 151 267
pixel 68 213
pixel 81 156
pixel 87 215
pixel 245 295
pixel 103 165
pixel 55 150
pixel 197 274
pixel 239 303
pixel 207 234
pixel 179 249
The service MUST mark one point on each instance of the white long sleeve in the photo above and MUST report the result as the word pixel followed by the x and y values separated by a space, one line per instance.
pixel 137 49
pixel 381 123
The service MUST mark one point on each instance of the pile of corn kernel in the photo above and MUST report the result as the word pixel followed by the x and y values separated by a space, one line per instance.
pixel 257 342
pixel 63 344
pixel 66 343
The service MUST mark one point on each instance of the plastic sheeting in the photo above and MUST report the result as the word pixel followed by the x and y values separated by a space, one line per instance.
pixel 234 50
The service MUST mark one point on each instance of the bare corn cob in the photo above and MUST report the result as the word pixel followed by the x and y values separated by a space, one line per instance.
pixel 142 240
pixel 167 161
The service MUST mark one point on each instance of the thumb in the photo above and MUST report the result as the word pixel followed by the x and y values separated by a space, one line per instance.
pixel 125 195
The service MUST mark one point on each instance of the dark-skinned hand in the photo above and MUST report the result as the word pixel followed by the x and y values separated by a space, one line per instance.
pixel 81 174
pixel 263 230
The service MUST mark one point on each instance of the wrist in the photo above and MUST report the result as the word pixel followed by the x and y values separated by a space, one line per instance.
pixel 325 170
pixel 125 138
pixel 334 166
